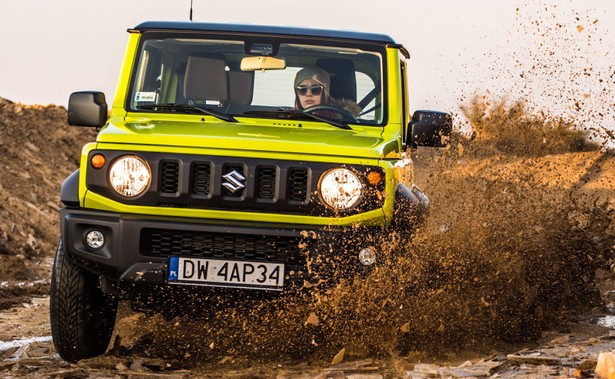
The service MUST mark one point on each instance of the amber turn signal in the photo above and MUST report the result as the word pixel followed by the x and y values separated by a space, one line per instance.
pixel 98 161
pixel 374 177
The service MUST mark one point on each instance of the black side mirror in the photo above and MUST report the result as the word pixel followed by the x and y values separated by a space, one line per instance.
pixel 429 128
pixel 87 108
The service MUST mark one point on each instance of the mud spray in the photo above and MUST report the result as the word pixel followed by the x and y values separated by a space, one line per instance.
pixel 510 249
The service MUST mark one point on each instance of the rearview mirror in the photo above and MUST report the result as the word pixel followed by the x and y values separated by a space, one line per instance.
pixel 262 63
pixel 429 128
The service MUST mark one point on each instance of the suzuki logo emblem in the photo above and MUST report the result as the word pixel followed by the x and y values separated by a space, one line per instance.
pixel 233 181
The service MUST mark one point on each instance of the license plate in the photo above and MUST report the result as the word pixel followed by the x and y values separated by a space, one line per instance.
pixel 225 273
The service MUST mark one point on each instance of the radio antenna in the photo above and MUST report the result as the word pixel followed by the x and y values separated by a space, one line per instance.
pixel 190 10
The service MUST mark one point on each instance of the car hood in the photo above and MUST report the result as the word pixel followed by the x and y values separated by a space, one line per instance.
pixel 279 136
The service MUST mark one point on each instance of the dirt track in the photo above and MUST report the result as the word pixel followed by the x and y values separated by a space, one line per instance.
pixel 534 214
pixel 570 351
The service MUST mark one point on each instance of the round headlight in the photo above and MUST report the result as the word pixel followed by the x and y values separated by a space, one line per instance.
pixel 340 188
pixel 130 176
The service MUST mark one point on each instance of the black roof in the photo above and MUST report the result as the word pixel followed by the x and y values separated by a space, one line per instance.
pixel 262 29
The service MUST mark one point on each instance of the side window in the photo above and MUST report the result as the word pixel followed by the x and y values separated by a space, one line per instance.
pixel 148 79
pixel 365 85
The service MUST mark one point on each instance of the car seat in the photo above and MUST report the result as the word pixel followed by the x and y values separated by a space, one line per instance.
pixel 206 79
pixel 343 77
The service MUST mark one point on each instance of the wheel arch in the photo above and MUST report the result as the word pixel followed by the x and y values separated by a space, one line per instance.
pixel 411 207
pixel 69 194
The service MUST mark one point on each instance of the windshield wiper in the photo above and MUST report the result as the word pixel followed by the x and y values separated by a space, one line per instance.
pixel 294 114
pixel 187 107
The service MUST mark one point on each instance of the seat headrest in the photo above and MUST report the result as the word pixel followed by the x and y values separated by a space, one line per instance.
pixel 206 79
pixel 241 87
pixel 343 77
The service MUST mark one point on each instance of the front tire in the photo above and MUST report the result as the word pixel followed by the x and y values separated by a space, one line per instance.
pixel 82 316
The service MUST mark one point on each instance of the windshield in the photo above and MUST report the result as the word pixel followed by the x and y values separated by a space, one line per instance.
pixel 259 77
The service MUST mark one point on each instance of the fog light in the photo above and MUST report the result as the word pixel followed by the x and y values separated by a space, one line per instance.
pixel 94 239
pixel 367 256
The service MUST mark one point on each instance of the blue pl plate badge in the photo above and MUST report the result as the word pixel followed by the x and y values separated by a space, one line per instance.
pixel 173 268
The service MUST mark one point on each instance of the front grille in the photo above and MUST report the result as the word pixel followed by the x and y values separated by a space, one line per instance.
pixel 201 179
pixel 265 183
pixel 169 177
pixel 297 184
pixel 241 247
pixel 247 185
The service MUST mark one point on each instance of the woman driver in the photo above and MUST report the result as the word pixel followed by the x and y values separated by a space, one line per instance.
pixel 312 89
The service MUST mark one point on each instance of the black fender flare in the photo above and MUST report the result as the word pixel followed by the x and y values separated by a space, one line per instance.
pixel 69 194
pixel 411 208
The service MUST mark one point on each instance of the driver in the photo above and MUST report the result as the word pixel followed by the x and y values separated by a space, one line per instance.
pixel 312 89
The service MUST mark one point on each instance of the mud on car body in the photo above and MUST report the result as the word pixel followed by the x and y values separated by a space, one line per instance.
pixel 205 178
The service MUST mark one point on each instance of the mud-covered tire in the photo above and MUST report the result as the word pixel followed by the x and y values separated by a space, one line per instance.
pixel 82 316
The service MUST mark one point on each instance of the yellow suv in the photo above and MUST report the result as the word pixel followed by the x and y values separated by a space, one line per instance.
pixel 239 160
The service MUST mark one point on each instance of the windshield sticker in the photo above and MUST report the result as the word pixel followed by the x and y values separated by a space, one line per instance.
pixel 145 96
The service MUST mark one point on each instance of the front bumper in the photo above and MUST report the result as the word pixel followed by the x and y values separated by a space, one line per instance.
pixel 137 248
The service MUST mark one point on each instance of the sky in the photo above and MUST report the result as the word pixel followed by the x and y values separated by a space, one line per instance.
pixel 557 55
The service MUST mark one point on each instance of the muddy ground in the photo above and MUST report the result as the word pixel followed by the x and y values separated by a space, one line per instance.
pixel 510 277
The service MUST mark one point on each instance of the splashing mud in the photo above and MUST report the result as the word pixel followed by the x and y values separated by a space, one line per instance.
pixel 510 248
pixel 558 56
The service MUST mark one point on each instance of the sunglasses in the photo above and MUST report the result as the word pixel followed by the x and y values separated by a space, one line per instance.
pixel 315 89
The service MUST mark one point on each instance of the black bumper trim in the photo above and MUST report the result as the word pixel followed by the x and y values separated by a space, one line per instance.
pixel 122 261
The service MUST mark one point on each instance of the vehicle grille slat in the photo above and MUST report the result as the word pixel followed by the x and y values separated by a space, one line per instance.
pixel 266 183
pixel 297 184
pixel 201 179
pixel 169 177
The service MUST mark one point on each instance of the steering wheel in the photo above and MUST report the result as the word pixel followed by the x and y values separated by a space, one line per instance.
pixel 346 115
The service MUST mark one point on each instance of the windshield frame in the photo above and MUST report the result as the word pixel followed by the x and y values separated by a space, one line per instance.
pixel 275 40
